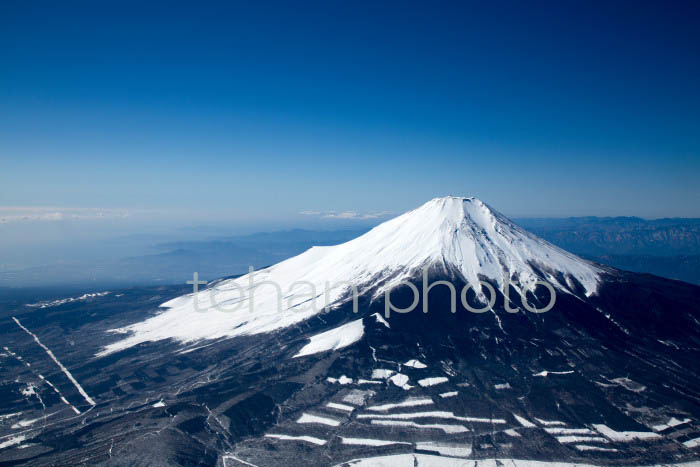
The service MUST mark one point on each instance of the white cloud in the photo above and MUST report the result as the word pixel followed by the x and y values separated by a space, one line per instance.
pixel 346 214
pixel 49 214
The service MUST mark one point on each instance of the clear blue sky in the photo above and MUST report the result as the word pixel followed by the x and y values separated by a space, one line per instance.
pixel 255 111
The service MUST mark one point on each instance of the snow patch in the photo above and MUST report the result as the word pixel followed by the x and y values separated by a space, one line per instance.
pixel 368 381
pixel 585 447
pixel 342 380
pixel 407 403
pixel 309 418
pixel 450 429
pixel 308 439
pixel 401 381
pixel 550 422
pixel 432 381
pixel 10 415
pixel 63 301
pixel 445 395
pixel 369 442
pixel 524 422
pixel 581 439
pixel 12 441
pixel 452 450
pixel 625 436
pixel 25 423
pixel 431 414
pixel 381 320
pixel 60 365
pixel 357 396
pixel 692 443
pixel 416 364
pixel 569 431
pixel 671 423
pixel 343 407
pixel 335 339
pixel 30 390
pixel 381 373
pixel 546 373
pixel 629 384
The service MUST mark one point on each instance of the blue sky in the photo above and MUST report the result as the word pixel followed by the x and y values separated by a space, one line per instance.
pixel 253 112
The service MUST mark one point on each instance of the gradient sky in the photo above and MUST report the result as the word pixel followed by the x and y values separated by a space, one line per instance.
pixel 256 111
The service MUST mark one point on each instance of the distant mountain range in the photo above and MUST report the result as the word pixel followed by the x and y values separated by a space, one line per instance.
pixel 619 235
pixel 664 247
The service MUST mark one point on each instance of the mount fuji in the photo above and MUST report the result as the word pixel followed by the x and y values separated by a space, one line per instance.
pixel 459 238
pixel 315 360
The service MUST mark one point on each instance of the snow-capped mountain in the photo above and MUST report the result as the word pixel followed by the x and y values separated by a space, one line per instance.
pixel 454 237
pixel 608 376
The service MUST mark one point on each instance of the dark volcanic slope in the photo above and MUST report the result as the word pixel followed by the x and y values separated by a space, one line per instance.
pixel 573 384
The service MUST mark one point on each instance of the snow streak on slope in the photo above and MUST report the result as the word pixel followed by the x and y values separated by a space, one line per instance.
pixel 12 441
pixel 459 237
pixel 60 365
pixel 411 402
pixel 308 439
pixel 41 377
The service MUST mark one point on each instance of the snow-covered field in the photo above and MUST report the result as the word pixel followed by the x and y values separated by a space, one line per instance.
pixel 625 435
pixel 410 402
pixel 310 418
pixel 308 439
pixel 425 382
pixel 335 339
